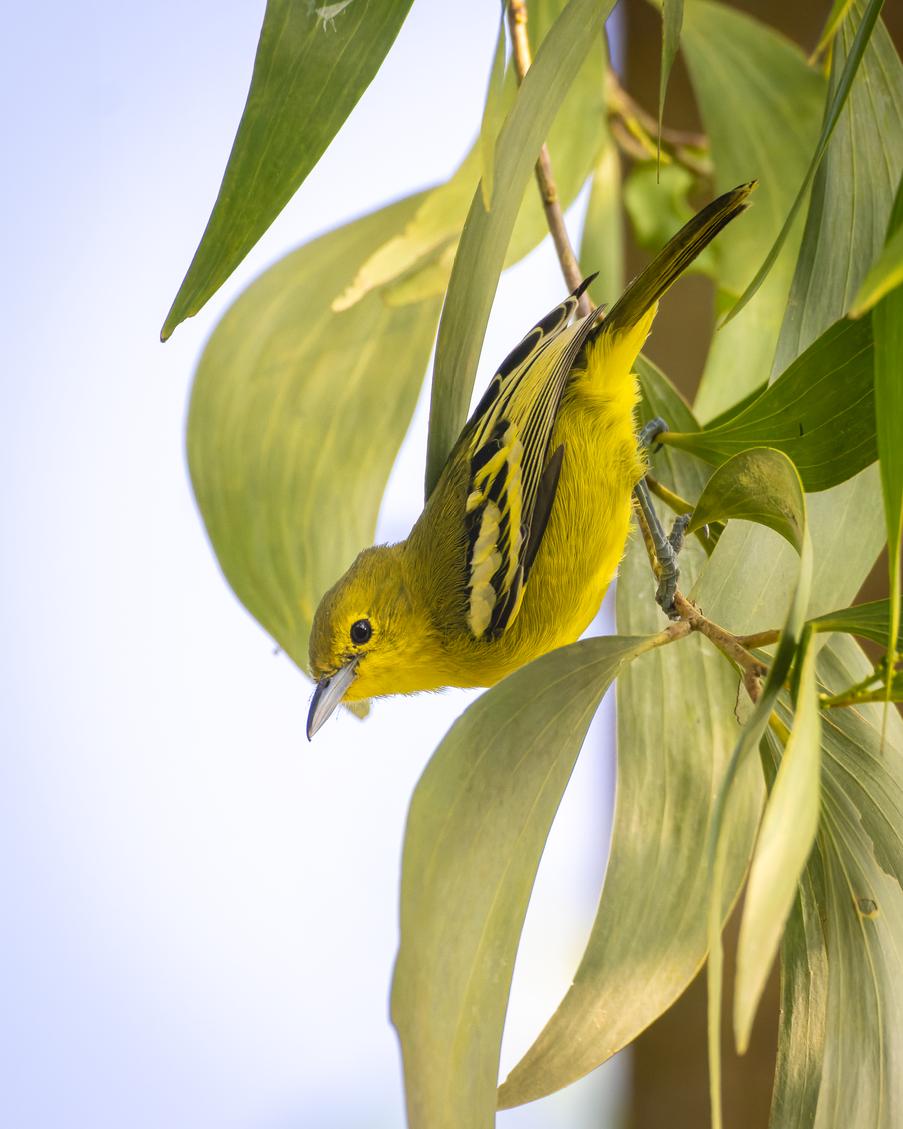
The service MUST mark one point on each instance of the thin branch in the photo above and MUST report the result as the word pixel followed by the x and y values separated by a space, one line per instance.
pixel 570 268
pixel 636 131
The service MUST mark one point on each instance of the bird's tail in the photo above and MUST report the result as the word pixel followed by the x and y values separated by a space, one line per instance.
pixel 674 258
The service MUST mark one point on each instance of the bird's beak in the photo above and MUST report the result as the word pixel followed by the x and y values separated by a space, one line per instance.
pixel 328 694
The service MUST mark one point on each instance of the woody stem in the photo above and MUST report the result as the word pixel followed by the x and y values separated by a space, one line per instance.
pixel 548 190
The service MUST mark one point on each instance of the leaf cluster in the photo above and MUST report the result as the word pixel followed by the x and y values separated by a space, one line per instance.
pixel 791 460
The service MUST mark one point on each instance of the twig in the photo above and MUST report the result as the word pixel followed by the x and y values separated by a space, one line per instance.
pixel 570 268
pixel 751 670
pixel 635 130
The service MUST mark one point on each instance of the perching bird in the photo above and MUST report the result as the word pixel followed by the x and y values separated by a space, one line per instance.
pixel 525 528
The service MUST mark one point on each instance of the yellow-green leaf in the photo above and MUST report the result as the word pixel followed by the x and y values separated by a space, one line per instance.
pixel 760 485
pixel 493 114
pixel 476 829
pixel 785 840
pixel 296 415
pixel 481 252
pixel 676 729
pixel 843 78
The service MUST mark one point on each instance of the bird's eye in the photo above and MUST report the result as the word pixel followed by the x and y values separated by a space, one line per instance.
pixel 361 631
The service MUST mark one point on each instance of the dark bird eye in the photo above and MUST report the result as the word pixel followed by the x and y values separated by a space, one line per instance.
pixel 361 631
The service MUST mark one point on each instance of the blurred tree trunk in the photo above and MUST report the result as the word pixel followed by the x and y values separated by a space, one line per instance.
pixel 670 1074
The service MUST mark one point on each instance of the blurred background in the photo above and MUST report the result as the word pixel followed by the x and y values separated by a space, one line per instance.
pixel 199 908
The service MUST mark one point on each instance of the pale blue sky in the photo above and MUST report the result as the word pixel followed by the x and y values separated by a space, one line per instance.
pixel 199 907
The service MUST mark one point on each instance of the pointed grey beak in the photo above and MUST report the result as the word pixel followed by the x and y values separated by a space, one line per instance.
pixel 328 694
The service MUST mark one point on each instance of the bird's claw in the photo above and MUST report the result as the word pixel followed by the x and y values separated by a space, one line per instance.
pixel 669 573
pixel 650 431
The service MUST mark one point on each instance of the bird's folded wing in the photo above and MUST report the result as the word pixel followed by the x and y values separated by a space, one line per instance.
pixel 512 477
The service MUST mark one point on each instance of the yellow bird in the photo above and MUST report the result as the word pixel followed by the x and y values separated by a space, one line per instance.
pixel 527 524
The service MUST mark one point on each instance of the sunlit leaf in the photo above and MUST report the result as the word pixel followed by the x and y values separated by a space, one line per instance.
pixel 476 829
pixel 746 745
pixel 672 20
pixel 676 727
pixel 785 840
pixel 804 991
pixel 853 191
pixel 861 860
pixel 481 252
pixel 759 485
pixel 417 264
pixel 427 236
pixel 844 68
pixel 493 114
pixel 886 275
pixel 296 415
pixel 820 412
pixel 312 66
pixel 727 55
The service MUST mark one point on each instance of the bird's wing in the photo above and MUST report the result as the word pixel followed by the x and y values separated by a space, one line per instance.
pixel 512 478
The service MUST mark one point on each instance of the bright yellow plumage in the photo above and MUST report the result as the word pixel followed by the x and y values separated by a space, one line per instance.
pixel 524 531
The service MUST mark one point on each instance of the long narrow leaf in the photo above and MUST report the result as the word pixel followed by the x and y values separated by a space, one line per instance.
pixel 888 326
pixel 311 68
pixel 727 54
pixel 820 412
pixel 481 252
pixel 493 114
pixel 476 829
pixel 835 105
pixel 852 194
pixel 296 415
pixel 785 841
pixel 676 729
pixel 672 20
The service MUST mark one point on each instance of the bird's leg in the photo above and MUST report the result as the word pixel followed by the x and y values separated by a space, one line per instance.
pixel 666 547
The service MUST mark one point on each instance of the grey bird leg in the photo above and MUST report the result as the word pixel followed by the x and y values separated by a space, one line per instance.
pixel 666 547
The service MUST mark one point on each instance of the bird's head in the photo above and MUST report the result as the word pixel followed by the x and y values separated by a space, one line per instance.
pixel 369 636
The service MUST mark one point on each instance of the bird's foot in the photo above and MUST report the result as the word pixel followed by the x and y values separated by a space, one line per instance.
pixel 669 573
pixel 650 431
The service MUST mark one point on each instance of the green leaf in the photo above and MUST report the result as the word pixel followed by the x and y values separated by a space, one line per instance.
pixel 820 412
pixel 747 743
pixel 658 207
pixel 427 237
pixel 602 246
pixel 861 857
pixel 844 71
pixel 727 54
pixel 853 192
pixel 417 264
pixel 676 727
pixel 888 327
pixel 785 841
pixel 481 252
pixel 804 990
pixel 312 66
pixel 493 114
pixel 672 20
pixel 760 485
pixel 838 13
pixel 285 389
pixel 476 829
pixel 868 621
